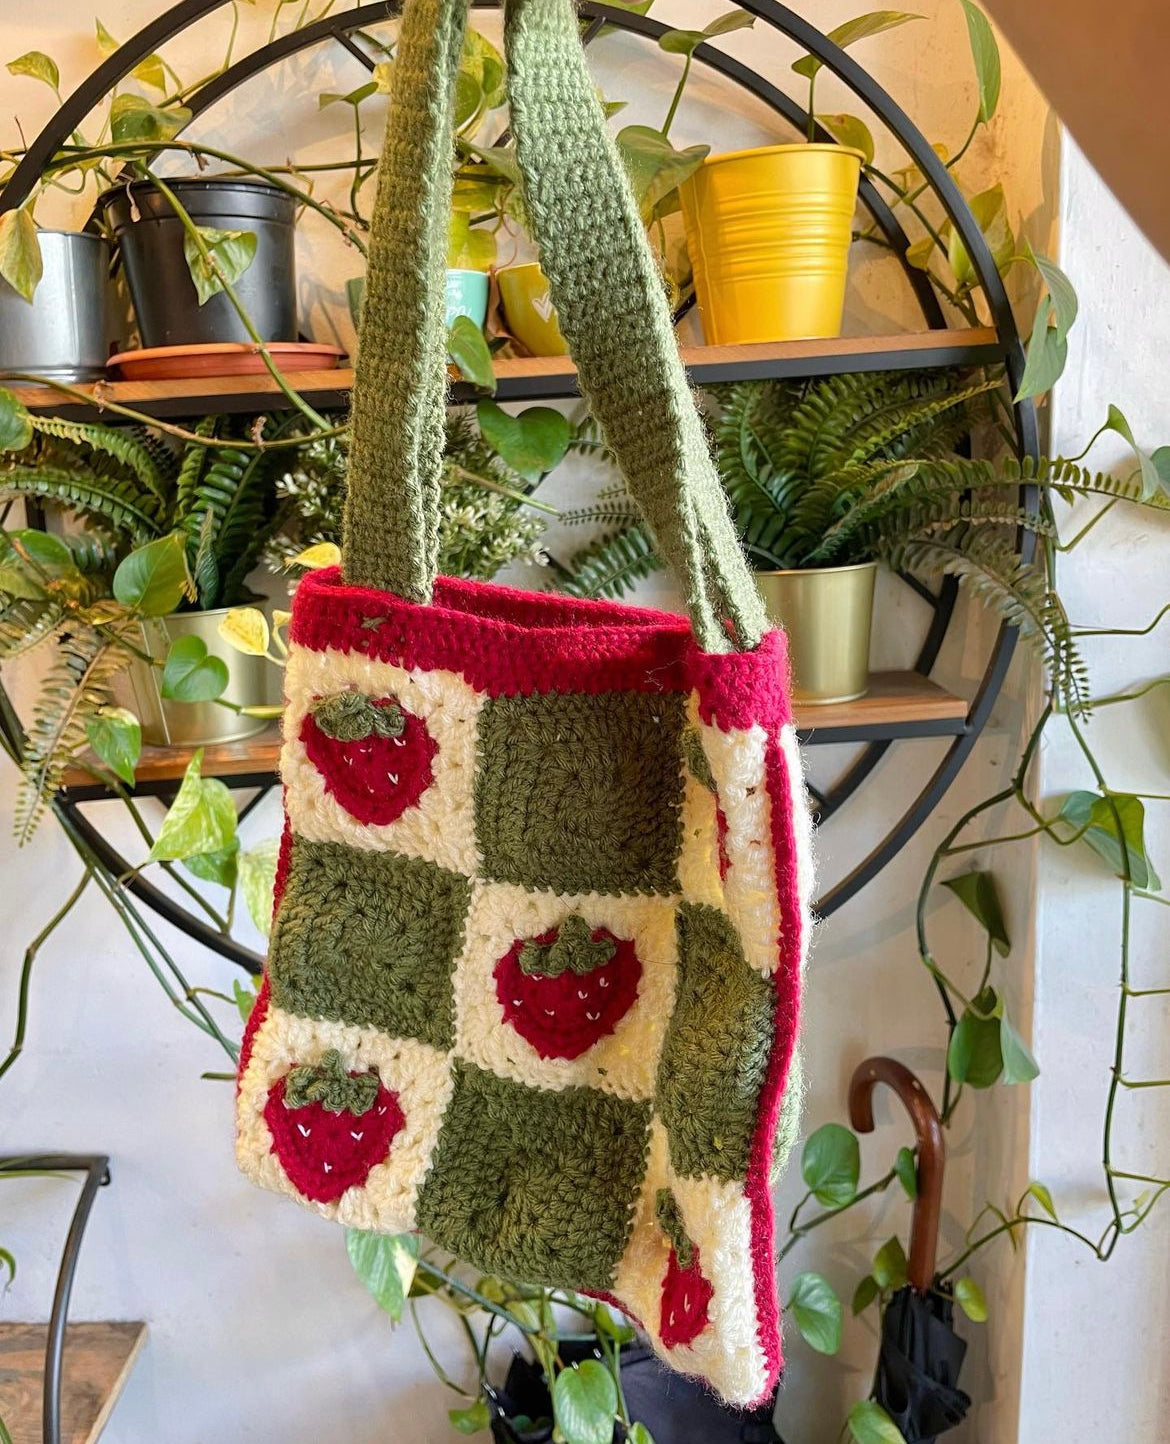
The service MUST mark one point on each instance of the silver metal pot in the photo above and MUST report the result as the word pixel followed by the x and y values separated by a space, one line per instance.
pixel 64 331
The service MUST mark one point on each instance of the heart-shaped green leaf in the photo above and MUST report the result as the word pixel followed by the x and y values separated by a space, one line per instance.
pixel 831 1165
pixel 907 1171
pixel 385 1263
pixel 861 27
pixel 530 443
pixel 20 252
pixel 201 819
pixel 132 117
pixel 989 209
pixel 870 1424
pixel 1046 355
pixel 585 1402
pixel 864 1294
pixel 852 131
pixel 16 428
pixel 817 1312
pixel 229 254
pixel 257 871
pixel 116 738
pixel 1096 818
pixel 889 1264
pixel 654 167
pixel 978 894
pixel 974 1055
pixel 33 563
pixel 37 64
pixel 469 351
pixel 471 1420
pixel 191 674
pixel 219 867
pixel 153 578
pixel 985 54
pixel 1019 1066
pixel 969 1297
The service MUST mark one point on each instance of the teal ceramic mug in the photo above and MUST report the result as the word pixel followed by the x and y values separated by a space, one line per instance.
pixel 467 295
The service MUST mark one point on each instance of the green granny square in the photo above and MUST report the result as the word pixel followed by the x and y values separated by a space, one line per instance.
pixel 581 793
pixel 535 1184
pixel 369 938
pixel 715 1053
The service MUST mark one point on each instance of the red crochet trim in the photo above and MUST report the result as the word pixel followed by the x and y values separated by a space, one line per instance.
pixel 686 1301
pixel 565 1016
pixel 252 1026
pixel 757 1187
pixel 324 1153
pixel 375 779
pixel 506 642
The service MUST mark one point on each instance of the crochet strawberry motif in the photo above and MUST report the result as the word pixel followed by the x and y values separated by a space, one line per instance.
pixel 375 756
pixel 568 988
pixel 686 1294
pixel 330 1127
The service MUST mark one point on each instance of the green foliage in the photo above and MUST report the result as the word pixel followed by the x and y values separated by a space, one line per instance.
pixel 906 1168
pixel 116 738
pixel 870 1424
pixel 611 565
pixel 817 1312
pixel 75 689
pixel 585 1402
pixel 831 1165
pixel 979 895
pixel 969 1297
pixel 385 1263
pixel 190 674
pixel 202 818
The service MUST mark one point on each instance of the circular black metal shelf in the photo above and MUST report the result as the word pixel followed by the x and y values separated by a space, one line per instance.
pixel 1000 346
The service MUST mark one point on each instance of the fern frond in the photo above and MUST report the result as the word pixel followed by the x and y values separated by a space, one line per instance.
pixel 609 566
pixel 192 465
pixel 76 685
pixel 618 512
pixel 27 622
pixel 123 503
pixel 987 564
pixel 124 446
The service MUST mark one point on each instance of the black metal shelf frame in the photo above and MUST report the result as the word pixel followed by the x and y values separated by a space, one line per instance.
pixel 96 1168
pixel 1007 351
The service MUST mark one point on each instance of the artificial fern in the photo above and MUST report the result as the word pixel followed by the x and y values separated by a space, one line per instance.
pixel 609 566
pixel 77 685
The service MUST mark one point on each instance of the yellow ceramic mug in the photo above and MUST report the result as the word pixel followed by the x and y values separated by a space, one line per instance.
pixel 768 233
pixel 529 310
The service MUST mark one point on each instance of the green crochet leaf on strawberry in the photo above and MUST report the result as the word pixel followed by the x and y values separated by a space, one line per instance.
pixel 376 758
pixel 330 1127
pixel 567 989
pixel 686 1294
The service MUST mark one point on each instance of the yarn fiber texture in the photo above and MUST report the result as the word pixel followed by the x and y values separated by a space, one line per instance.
pixel 568 970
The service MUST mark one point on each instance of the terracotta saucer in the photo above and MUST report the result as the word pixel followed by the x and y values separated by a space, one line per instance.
pixel 221 358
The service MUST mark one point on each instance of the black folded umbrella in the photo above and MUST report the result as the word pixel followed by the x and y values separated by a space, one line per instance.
pixel 918 1365
pixel 675 1409
pixel 917 1379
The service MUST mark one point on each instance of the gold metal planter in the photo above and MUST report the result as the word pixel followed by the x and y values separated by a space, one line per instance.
pixel 194 724
pixel 827 613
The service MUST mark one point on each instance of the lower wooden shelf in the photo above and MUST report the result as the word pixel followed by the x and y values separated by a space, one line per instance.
pixel 898 704
pixel 98 1360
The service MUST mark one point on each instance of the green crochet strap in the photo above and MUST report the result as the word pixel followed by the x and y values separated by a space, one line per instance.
pixel 612 310
pixel 391 526
pixel 603 282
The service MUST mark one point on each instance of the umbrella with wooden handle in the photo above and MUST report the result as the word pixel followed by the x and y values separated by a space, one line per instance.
pixel 920 1354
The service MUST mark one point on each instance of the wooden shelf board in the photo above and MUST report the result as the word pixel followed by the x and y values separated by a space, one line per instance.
pixel 98 1359
pixel 898 704
pixel 541 377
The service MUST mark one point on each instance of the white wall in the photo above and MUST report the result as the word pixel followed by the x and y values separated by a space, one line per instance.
pixel 1094 1367
pixel 258 1330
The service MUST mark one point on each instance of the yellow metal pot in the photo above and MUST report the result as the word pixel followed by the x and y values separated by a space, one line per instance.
pixel 828 614
pixel 194 724
pixel 529 311
pixel 768 233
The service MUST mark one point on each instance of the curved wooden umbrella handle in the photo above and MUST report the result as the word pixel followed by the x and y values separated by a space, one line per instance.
pixel 932 1153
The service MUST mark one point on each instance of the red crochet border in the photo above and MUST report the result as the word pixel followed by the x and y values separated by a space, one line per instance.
pixel 506 642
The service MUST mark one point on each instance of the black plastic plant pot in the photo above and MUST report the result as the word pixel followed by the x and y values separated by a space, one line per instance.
pixel 149 237
pixel 675 1409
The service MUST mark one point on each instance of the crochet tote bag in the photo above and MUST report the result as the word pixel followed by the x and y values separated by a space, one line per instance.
pixel 535 966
